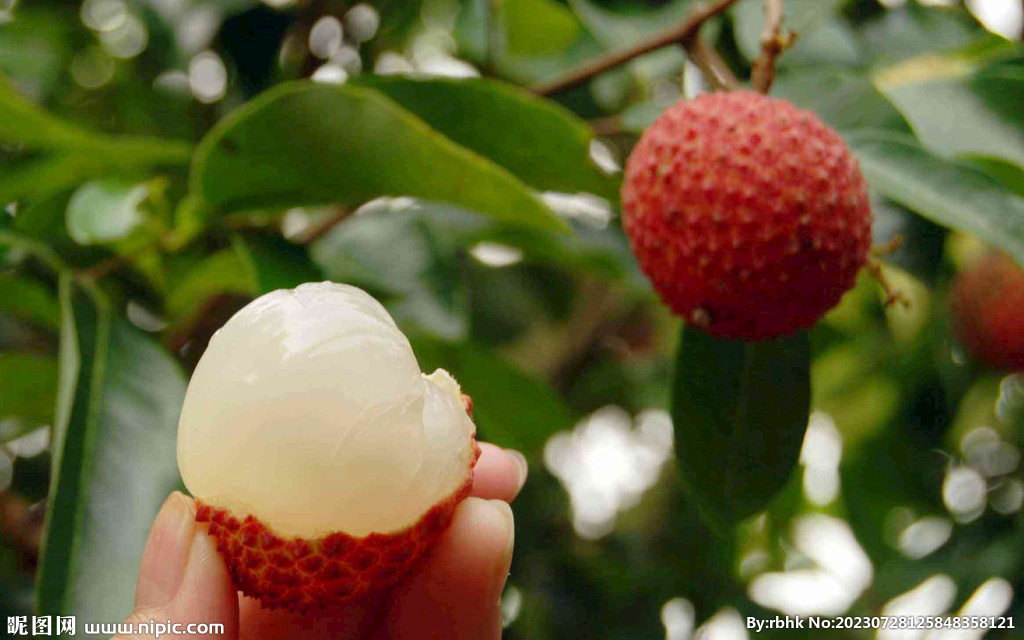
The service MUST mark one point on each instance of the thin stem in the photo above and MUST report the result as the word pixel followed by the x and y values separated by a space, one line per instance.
pixel 892 294
pixel 888 248
pixel 773 43
pixel 679 34
pixel 324 227
pixel 711 64
pixel 103 268
pixel 607 126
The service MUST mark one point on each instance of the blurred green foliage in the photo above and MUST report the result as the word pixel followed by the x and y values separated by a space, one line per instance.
pixel 161 163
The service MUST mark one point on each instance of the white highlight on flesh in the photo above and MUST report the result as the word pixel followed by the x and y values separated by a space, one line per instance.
pixel 308 410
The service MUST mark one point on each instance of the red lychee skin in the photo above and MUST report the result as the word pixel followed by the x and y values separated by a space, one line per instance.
pixel 750 216
pixel 988 311
pixel 315 576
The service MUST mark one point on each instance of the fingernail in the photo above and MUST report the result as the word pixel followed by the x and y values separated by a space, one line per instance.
pixel 524 466
pixel 202 559
pixel 506 512
pixel 166 554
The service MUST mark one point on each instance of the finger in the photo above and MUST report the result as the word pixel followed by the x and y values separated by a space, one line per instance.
pixel 207 593
pixel 499 473
pixel 456 595
pixel 356 621
pixel 182 579
pixel 166 554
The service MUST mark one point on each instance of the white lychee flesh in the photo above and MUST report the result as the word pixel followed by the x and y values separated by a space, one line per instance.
pixel 308 411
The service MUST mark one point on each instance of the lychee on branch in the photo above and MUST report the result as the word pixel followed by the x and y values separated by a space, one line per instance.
pixel 750 217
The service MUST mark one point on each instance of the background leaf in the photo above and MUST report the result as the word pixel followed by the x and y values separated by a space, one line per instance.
pixel 543 144
pixel 844 100
pixel 125 400
pixel 28 386
pixel 26 299
pixel 740 411
pixel 275 262
pixel 349 157
pixel 960 110
pixel 538 27
pixel 105 210
pixel 226 271
pixel 912 29
pixel 949 193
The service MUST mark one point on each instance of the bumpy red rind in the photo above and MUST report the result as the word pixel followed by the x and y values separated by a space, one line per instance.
pixel 315 576
pixel 750 216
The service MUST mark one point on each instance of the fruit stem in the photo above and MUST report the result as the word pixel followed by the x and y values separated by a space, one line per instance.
pixel 680 34
pixel 888 248
pixel 773 43
pixel 892 294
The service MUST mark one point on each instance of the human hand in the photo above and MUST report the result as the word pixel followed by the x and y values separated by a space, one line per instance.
pixel 454 595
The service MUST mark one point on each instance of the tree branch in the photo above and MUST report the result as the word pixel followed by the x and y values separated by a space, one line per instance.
pixel 773 43
pixel 681 34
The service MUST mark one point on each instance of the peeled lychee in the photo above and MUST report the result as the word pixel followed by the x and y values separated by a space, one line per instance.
pixel 988 311
pixel 325 464
pixel 750 216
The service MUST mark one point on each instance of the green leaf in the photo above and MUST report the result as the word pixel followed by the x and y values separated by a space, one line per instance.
pixel 226 271
pixel 844 100
pixel 24 123
pixel 71 154
pixel 304 143
pixel 21 121
pixel 105 210
pixel 275 262
pixel 28 300
pixel 113 460
pixel 627 27
pixel 471 34
pixel 40 177
pixel 35 48
pixel 28 386
pixel 957 109
pixel 542 143
pixel 949 193
pixel 538 27
pixel 1009 175
pixel 740 410
pixel 897 34
pixel 510 407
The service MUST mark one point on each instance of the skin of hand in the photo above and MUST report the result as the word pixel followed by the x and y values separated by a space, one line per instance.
pixel 455 595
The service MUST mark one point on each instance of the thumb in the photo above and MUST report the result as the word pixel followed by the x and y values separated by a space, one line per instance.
pixel 182 579
pixel 456 594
